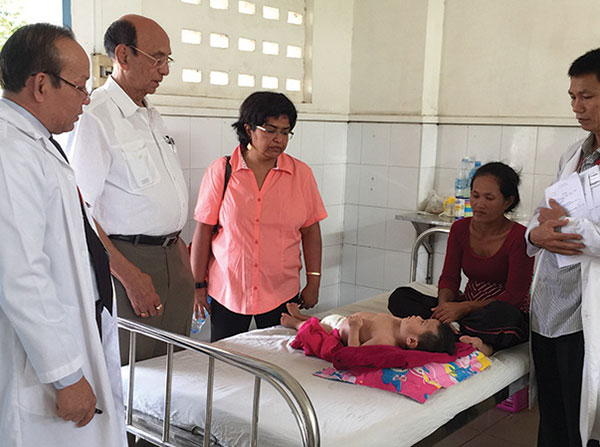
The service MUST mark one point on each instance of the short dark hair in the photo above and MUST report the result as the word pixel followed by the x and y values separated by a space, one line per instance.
pixel 589 63
pixel 443 341
pixel 120 32
pixel 508 180
pixel 31 50
pixel 259 106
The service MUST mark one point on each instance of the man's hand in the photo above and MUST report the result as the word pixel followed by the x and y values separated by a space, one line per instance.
pixel 545 236
pixel 201 303
pixel 141 294
pixel 309 297
pixel 76 403
pixel 555 212
pixel 450 311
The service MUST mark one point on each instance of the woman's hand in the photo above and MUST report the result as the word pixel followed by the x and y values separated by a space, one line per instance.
pixel 309 297
pixel 201 303
pixel 450 311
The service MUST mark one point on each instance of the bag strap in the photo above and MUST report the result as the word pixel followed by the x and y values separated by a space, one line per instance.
pixel 227 177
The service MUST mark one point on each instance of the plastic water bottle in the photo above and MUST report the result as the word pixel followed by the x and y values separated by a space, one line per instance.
pixel 461 187
pixel 198 321
pixel 474 169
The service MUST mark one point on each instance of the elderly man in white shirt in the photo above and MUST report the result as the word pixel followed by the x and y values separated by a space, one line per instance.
pixel 129 174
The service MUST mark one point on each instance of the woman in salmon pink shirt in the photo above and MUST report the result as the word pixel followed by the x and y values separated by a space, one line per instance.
pixel 250 267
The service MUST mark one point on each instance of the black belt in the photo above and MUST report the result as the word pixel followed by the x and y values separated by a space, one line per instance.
pixel 165 241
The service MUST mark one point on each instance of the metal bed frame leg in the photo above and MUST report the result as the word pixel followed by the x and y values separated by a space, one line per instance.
pixel 209 399
pixel 132 340
pixel 169 373
pixel 254 439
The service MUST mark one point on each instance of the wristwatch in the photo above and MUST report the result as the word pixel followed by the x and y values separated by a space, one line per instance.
pixel 201 285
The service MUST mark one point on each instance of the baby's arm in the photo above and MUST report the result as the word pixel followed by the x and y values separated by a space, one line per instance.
pixel 354 324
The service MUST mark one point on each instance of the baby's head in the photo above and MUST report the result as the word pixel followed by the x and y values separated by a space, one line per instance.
pixel 427 335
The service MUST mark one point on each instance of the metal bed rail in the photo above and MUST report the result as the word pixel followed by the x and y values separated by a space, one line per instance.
pixel 419 241
pixel 287 386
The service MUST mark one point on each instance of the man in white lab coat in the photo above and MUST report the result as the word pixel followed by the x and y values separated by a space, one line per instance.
pixel 58 386
pixel 565 310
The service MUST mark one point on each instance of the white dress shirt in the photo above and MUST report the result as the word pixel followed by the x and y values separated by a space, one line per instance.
pixel 127 166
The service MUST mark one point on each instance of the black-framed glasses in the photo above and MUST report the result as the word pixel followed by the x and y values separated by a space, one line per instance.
pixel 84 91
pixel 159 62
pixel 272 131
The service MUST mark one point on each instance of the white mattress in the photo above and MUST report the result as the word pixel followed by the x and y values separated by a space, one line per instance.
pixel 349 415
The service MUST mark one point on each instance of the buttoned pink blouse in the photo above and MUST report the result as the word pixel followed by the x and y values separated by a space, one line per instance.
pixel 256 262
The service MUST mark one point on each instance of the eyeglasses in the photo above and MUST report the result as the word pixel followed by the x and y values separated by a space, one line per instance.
pixel 82 90
pixel 272 131
pixel 158 62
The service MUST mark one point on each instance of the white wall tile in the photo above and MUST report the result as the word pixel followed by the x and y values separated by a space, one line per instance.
pixel 452 145
pixel 444 181
pixel 329 297
pixel 313 140
pixel 370 263
pixel 349 263
pixel 318 173
pixel 347 294
pixel 354 143
pixel 403 188
pixel 333 184
pixel 551 143
pixel 229 139
pixel 405 144
pixel 332 227
pixel 371 226
pixel 352 182
pixel 336 136
pixel 373 188
pixel 429 145
pixel 397 266
pixel 427 179
pixel 332 258
pixel 525 208
pixel 205 141
pixel 375 144
pixel 350 224
pixel 178 127
pixel 540 183
pixel 399 234
pixel 518 147
pixel 294 147
pixel 483 143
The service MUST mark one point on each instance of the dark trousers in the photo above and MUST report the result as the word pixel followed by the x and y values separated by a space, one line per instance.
pixel 225 323
pixel 558 371
pixel 169 268
pixel 499 324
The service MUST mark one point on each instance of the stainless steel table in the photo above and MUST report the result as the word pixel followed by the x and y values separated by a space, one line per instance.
pixel 423 221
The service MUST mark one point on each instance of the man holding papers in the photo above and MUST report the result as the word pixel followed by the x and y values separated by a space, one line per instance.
pixel 565 233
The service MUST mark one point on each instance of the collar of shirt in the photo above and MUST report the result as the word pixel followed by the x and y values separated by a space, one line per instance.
pixel 587 147
pixel 36 123
pixel 123 101
pixel 283 162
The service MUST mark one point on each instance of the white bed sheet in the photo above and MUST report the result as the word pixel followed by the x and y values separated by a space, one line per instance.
pixel 348 415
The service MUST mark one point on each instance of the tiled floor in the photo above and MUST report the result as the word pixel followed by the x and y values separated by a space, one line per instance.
pixel 497 428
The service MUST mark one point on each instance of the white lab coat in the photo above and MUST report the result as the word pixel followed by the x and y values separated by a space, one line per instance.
pixel 47 314
pixel 589 423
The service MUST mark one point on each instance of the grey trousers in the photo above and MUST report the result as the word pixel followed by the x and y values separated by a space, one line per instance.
pixel 169 268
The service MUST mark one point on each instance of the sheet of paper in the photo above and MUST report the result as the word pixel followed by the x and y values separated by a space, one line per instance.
pixel 569 194
pixel 590 180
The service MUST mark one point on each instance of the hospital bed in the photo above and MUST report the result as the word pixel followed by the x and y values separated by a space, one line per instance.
pixel 213 394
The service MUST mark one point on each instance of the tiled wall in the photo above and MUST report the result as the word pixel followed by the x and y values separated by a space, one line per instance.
pixel 369 172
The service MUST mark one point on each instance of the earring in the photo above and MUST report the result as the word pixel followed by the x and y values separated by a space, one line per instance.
pixel 249 146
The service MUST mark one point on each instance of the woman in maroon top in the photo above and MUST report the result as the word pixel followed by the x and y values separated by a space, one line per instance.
pixel 490 249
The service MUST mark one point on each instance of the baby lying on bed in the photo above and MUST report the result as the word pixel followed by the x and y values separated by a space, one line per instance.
pixel 366 328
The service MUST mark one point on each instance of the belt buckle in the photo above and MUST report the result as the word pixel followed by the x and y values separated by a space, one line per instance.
pixel 169 241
